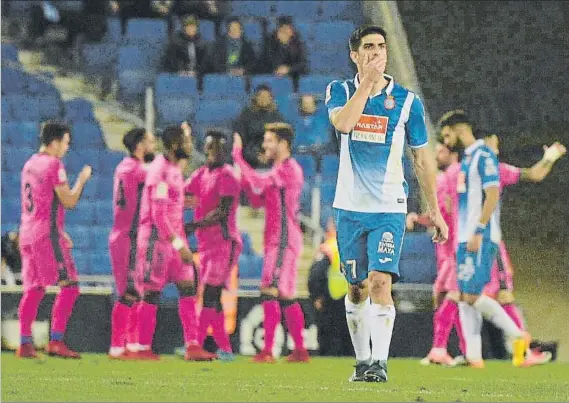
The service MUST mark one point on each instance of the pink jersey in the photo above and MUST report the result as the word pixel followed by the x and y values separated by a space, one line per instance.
pixel 127 194
pixel 209 185
pixel 41 210
pixel 279 192
pixel 509 175
pixel 162 207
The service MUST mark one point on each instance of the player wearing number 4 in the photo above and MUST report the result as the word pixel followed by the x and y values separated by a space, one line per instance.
pixel 374 118
pixel 44 246
pixel 129 179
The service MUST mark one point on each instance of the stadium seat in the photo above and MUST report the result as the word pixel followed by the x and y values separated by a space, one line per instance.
pixel 254 33
pixel 88 134
pixel 114 30
pixel 247 244
pixel 168 84
pixel 105 187
pixel 14 158
pixel 224 86
pixel 24 107
pixel 82 260
pixel 314 84
pixel 169 293
pixel 99 59
pixel 75 161
pixel 133 57
pixel 146 29
pixel 217 112
pixel 50 107
pixel 41 85
pixel 13 80
pixel 81 237
pixel 11 186
pixel 245 8
pixel 82 214
pixel 109 161
pixel 313 130
pixel 173 110
pixel 333 33
pixel 329 167
pixel 133 84
pixel 6 110
pixel 207 30
pixel 297 9
pixel 280 86
pixel 335 10
pixel 188 215
pixel 90 188
pixel 11 211
pixel 193 242
pixel 9 53
pixel 21 134
pixel 308 165
pixel 306 198
pixel 101 237
pixel 104 212
pixel 325 61
pixel 79 110
pixel 101 263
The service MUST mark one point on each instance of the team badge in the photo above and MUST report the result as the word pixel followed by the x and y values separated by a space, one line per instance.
pixel 389 102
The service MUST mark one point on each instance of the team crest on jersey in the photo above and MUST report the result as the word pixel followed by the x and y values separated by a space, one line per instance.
pixel 371 129
pixel 389 103
pixel 387 244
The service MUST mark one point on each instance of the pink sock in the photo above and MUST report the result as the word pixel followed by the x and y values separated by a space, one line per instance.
pixel 28 309
pixel 219 334
pixel 514 313
pixel 207 319
pixel 272 312
pixel 119 321
pixel 443 321
pixel 62 308
pixel 295 323
pixel 460 334
pixel 132 325
pixel 146 323
pixel 187 313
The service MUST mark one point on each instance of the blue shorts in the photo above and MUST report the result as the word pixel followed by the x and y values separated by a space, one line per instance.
pixel 369 241
pixel 474 268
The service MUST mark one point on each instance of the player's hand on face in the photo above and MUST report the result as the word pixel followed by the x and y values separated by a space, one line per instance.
pixel 371 69
pixel 474 243
pixel 85 173
pixel 237 142
pixel 186 255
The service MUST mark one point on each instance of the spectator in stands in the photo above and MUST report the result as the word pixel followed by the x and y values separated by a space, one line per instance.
pixel 204 9
pixel 311 124
pixel 232 53
pixel 252 120
pixel 186 53
pixel 11 259
pixel 284 52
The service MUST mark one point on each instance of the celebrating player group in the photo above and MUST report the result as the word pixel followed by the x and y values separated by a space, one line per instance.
pixel 374 118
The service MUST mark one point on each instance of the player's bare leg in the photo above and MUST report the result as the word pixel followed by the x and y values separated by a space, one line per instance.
pixel 357 302
pixel 61 312
pixel 27 312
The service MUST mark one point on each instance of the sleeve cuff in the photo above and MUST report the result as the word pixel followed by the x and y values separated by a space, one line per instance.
pixel 425 144
pixel 490 184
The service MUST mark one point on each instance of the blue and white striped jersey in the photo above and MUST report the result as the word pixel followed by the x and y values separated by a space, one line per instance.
pixel 370 178
pixel 479 171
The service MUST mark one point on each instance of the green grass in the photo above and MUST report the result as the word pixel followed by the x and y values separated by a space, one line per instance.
pixel 95 378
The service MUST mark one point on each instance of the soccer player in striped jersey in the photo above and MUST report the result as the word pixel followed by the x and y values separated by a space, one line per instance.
pixel 375 118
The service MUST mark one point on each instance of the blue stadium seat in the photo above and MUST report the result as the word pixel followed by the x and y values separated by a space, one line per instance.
pixel 333 33
pixel 104 212
pixel 314 84
pixel 101 237
pixel 308 165
pixel 193 242
pixel 9 53
pixel 41 86
pixel 329 167
pixel 250 266
pixel 11 211
pixel 114 30
pixel 14 158
pixel 224 86
pixel 327 192
pixel 11 185
pixel 101 263
pixel 207 30
pixel 50 107
pixel 280 86
pixel 99 59
pixel 306 198
pixel 336 9
pixel 324 61
pixel 313 130
pixel 109 161
pixel 82 214
pixel 90 188
pixel 169 293
pixel 173 110
pixel 247 244
pixel 21 134
pixel 254 33
pixel 105 187
pixel 417 263
pixel 217 112
pixel 188 215
pixel 88 134
pixel 79 110
pixel 24 107
pixel 82 260
pixel 168 84
pixel 297 9
pixel 75 161
pixel 81 236
pixel 133 57
pixel 6 110
pixel 133 83
pixel 146 29
pixel 13 80
pixel 245 8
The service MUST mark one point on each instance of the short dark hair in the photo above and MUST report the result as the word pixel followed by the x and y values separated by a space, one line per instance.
pixel 53 130
pixel 358 34
pixel 284 131
pixel 172 135
pixel 133 138
pixel 263 87
pixel 216 134
pixel 232 20
pixel 459 116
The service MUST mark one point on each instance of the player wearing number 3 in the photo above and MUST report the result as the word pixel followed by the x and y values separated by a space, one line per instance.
pixel 374 118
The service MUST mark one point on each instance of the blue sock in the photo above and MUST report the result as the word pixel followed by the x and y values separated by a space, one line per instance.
pixel 25 340
pixel 56 336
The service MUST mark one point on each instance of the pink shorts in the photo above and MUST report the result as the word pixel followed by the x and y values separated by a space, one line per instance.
pixel 501 277
pixel 446 275
pixel 123 261
pixel 46 262
pixel 217 261
pixel 280 270
pixel 158 264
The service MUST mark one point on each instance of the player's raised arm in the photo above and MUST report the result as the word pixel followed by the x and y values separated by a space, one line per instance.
pixel 258 181
pixel 344 113
pixel 425 166
pixel 541 169
pixel 67 196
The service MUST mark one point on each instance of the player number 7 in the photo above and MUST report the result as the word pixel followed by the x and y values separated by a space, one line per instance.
pixel 352 263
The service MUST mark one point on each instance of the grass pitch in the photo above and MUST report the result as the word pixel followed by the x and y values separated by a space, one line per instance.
pixel 95 378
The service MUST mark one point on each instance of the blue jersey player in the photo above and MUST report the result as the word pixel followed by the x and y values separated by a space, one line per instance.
pixel 479 235
pixel 375 118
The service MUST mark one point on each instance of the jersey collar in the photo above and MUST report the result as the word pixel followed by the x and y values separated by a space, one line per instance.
pixel 470 149
pixel 388 89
